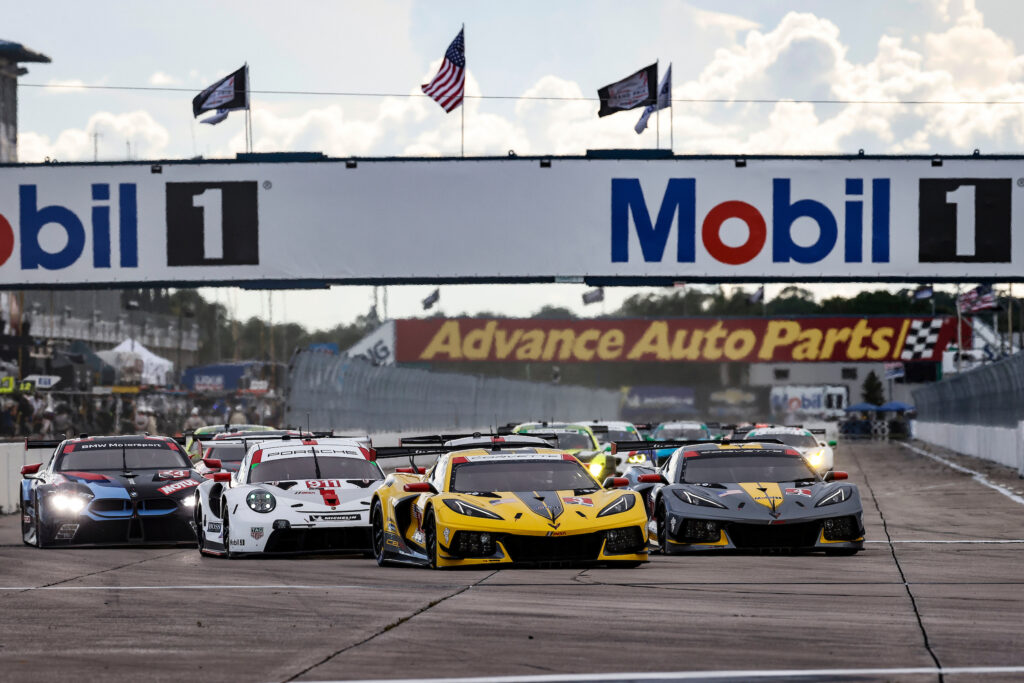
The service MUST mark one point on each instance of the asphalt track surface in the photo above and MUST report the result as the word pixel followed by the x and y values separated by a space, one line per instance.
pixel 939 588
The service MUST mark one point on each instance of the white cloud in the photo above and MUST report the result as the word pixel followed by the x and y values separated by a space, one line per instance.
pixel 161 79
pixel 730 23
pixel 148 140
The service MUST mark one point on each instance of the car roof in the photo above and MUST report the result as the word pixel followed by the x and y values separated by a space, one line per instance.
pixel 684 424
pixel 525 453
pixel 765 431
pixel 296 447
pixel 491 441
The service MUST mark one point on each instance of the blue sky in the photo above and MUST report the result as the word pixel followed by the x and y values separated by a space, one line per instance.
pixel 781 51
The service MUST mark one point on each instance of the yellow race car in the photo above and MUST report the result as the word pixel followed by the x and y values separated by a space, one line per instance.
pixel 504 505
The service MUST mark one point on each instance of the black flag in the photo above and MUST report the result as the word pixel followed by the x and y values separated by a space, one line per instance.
pixel 429 302
pixel 638 90
pixel 228 94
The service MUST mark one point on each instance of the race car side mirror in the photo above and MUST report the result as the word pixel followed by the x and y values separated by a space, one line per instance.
pixel 29 471
pixel 419 487
pixel 213 463
pixel 832 442
pixel 836 476
pixel 221 476
pixel 411 470
pixel 616 483
pixel 822 443
pixel 651 479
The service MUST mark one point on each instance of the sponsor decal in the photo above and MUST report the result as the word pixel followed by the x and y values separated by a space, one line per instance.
pixel 447 533
pixel 764 493
pixel 256 532
pixel 339 518
pixel 798 492
pixel 324 483
pixel 237 541
pixel 213 527
pixel 501 501
pixel 951 211
pixel 730 492
pixel 748 340
pixel 576 500
pixel 212 224
pixel 172 474
pixel 67 531
pixel 176 486
pixel 557 533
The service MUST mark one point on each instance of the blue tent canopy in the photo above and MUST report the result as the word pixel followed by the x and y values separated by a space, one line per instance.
pixel 862 408
pixel 898 406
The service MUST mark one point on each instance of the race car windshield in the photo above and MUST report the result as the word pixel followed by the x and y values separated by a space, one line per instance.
pixel 619 435
pixel 794 440
pixel 520 475
pixel 571 441
pixel 114 459
pixel 681 433
pixel 229 452
pixel 304 467
pixel 739 468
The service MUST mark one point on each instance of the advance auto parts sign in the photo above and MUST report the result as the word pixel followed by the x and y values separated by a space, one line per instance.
pixel 748 340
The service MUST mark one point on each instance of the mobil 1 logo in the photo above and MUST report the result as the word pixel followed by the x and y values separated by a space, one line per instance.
pixel 964 220
pixel 212 224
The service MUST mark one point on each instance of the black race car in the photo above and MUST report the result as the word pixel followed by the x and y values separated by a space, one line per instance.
pixel 112 490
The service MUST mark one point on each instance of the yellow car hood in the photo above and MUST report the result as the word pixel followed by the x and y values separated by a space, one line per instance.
pixel 548 509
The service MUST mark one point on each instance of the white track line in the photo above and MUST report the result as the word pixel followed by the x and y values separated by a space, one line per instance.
pixel 717 675
pixel 978 476
pixel 972 541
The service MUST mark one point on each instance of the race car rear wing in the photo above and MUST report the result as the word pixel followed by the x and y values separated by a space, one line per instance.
pixel 40 443
pixel 485 440
pixel 623 446
pixel 818 431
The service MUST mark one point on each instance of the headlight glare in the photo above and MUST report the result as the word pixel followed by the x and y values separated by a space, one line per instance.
pixel 816 458
pixel 595 468
pixel 637 458
pixel 64 502
pixel 464 508
pixel 621 504
pixel 260 501
pixel 838 496
pixel 694 499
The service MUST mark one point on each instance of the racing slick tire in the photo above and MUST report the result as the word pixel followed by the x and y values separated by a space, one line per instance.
pixel 377 533
pixel 430 539
pixel 30 531
pixel 226 528
pixel 660 517
pixel 200 521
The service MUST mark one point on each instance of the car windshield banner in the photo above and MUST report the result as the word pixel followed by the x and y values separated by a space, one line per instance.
pixel 749 340
pixel 600 219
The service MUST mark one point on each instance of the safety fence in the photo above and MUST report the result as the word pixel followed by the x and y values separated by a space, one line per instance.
pixel 979 413
pixel 990 395
pixel 13 456
pixel 334 392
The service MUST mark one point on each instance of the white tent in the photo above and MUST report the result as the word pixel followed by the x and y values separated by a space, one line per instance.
pixel 155 369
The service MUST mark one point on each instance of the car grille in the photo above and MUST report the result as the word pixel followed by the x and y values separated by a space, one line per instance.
pixel 553 550
pixel 156 506
pixel 783 536
pixel 314 540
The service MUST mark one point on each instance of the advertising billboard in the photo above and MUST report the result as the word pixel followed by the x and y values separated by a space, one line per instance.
pixel 749 340
pixel 603 220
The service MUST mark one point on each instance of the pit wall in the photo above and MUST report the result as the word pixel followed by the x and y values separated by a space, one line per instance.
pixel 1003 445
pixel 12 457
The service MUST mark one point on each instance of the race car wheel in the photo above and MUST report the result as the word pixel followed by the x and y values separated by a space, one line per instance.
pixel 662 518
pixel 377 532
pixel 200 522
pixel 227 532
pixel 430 539
pixel 29 530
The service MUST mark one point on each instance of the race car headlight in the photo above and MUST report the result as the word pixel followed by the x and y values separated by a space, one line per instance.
pixel 838 496
pixel 189 502
pixel 261 501
pixel 464 508
pixel 595 468
pixel 694 499
pixel 64 502
pixel 621 504
pixel 816 458
pixel 637 458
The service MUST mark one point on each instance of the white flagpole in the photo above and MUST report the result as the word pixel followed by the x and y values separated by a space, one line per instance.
pixel 657 110
pixel 671 115
pixel 248 111
pixel 462 138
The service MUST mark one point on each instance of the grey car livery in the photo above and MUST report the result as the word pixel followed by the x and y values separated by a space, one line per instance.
pixel 747 496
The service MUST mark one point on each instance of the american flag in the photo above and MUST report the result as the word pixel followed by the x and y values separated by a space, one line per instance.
pixel 449 84
pixel 980 298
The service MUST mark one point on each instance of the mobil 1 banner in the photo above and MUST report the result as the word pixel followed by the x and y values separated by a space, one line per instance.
pixel 514 219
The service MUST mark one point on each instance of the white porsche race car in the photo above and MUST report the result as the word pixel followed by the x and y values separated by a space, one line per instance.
pixel 290 495
pixel 818 454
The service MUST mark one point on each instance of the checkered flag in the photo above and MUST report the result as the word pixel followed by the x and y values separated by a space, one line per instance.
pixel 921 339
